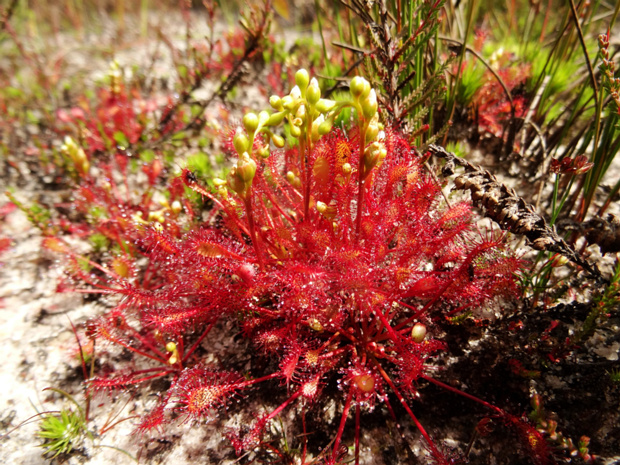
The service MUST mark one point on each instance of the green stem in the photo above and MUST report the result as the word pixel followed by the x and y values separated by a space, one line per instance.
pixel 556 212
pixel 556 186
pixel 361 172
pixel 598 157
pixel 306 155
pixel 471 7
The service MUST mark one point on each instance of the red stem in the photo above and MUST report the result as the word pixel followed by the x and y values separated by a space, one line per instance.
pixel 343 420
pixel 468 260
pixel 250 215
pixel 464 394
pixel 357 435
pixel 197 343
pixel 394 336
pixel 147 343
pixel 92 291
pixel 156 375
pixel 136 351
pixel 259 380
pixel 282 407
pixel 305 438
pixel 104 429
pixel 418 425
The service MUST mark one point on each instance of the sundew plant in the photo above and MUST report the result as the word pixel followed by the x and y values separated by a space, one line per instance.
pixel 332 250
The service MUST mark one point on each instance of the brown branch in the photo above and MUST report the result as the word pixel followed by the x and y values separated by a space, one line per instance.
pixel 504 206
pixel 7 14
pixel 253 41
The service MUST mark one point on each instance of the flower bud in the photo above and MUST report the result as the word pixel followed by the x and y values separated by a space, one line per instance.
pixel 418 332
pixel 264 152
pixel 370 105
pixel 277 140
pixel 325 105
pixel 235 182
pixel 275 102
pixel 77 155
pixel 293 179
pixel 174 352
pixel 327 211
pixel 558 261
pixel 301 112
pixel 116 77
pixel 315 325
pixel 288 102
pixel 316 124
pixel 250 122
pixel 295 93
pixel 372 132
pixel 302 78
pixel 246 168
pixel 313 94
pixel 276 118
pixel 325 126
pixel 295 131
pixel 373 155
pixel 157 216
pixel 263 117
pixel 176 207
pixel 357 86
pixel 240 141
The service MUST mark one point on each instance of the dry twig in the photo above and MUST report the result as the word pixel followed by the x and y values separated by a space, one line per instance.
pixel 504 206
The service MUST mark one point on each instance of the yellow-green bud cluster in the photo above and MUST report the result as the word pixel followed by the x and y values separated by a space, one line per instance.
pixel 241 175
pixel 327 211
pixel 174 353
pixel 365 100
pixel 309 118
pixel 373 129
pixel 364 97
pixel 76 155
pixel 293 179
pixel 374 154
pixel 304 109
pixel 116 77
